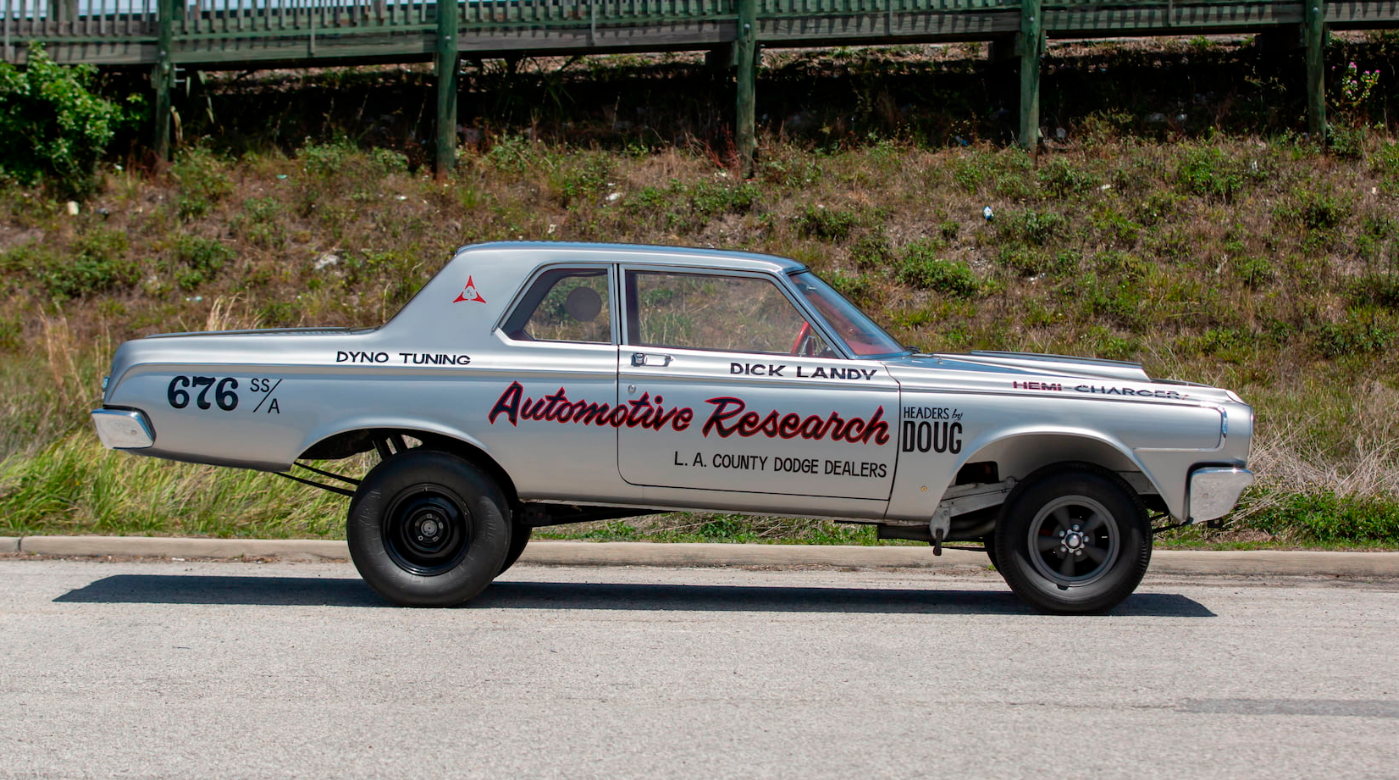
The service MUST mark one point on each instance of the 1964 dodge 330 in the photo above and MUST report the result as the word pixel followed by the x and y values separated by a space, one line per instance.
pixel 533 384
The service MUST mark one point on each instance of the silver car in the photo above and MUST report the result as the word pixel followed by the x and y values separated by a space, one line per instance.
pixel 534 384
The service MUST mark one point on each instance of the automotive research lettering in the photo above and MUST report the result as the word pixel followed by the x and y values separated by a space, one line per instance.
pixel 931 429
pixel 728 416
pixel 803 372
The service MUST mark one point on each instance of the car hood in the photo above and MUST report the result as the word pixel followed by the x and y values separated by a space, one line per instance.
pixel 1088 368
pixel 999 371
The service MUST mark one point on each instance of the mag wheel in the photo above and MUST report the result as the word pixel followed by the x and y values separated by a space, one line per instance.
pixel 428 529
pixel 1074 540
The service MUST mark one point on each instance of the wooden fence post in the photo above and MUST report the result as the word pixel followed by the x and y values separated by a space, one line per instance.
pixel 747 46
pixel 1316 69
pixel 447 66
pixel 1031 49
pixel 164 75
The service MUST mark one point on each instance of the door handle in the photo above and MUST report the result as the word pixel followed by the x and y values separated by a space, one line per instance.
pixel 643 359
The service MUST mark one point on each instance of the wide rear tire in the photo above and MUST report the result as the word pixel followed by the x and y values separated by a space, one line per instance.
pixel 428 529
pixel 1073 540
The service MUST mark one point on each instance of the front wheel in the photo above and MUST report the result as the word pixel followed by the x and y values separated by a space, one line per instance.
pixel 428 529
pixel 1074 540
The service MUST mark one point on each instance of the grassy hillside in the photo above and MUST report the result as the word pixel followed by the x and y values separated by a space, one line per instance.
pixel 1256 262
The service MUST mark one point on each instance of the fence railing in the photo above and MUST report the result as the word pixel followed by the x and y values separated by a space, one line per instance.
pixel 203 27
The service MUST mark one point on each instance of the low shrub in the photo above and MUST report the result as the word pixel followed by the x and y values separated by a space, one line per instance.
pixel 922 269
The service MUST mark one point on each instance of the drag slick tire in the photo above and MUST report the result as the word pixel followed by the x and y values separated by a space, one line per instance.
pixel 428 529
pixel 1073 539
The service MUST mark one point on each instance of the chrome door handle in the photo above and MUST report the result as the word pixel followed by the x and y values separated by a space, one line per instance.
pixel 643 359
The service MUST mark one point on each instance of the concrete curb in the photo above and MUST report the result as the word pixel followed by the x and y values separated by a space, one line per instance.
pixel 164 547
pixel 1276 562
pixel 549 553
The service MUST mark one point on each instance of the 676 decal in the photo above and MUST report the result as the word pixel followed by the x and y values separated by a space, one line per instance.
pixel 206 392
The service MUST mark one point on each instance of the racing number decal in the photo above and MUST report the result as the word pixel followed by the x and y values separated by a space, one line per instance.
pixel 179 396
pixel 183 389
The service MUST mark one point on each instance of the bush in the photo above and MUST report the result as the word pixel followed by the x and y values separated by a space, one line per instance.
pixel 870 252
pixel 52 125
pixel 1210 173
pixel 711 199
pixel 1354 337
pixel 202 183
pixel 202 259
pixel 1254 272
pixel 1316 211
pixel 343 158
pixel 1061 179
pixel 99 264
pixel 1032 227
pixel 926 272
pixel 826 224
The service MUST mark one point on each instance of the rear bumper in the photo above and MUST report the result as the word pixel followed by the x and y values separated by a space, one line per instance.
pixel 123 429
pixel 1214 490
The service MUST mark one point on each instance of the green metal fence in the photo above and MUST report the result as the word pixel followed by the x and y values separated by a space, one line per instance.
pixel 213 34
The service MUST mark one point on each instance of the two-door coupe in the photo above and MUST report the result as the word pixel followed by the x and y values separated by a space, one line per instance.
pixel 531 384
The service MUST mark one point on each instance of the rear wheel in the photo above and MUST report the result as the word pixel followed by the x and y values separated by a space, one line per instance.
pixel 428 529
pixel 1073 540
pixel 519 537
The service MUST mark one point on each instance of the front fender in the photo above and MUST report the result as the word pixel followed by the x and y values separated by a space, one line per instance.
pixel 1022 450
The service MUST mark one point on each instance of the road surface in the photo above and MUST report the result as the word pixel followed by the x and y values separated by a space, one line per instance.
pixel 183 669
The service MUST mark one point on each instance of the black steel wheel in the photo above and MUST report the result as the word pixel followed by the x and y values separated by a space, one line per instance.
pixel 1073 539
pixel 428 529
pixel 519 537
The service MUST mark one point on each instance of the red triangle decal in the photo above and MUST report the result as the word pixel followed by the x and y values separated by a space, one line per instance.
pixel 470 295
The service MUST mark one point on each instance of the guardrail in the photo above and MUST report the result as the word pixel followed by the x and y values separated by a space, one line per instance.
pixel 215 34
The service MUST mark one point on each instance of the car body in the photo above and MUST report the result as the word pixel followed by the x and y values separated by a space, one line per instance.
pixel 589 380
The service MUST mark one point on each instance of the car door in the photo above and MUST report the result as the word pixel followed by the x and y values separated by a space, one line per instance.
pixel 560 359
pixel 722 401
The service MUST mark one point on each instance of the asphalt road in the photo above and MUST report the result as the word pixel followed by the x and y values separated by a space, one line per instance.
pixel 297 670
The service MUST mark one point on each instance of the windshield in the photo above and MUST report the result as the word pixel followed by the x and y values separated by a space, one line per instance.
pixel 865 338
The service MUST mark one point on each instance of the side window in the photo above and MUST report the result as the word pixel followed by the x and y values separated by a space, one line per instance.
pixel 723 313
pixel 564 304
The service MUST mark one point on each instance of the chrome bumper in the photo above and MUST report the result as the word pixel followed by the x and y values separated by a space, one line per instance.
pixel 1214 490
pixel 123 429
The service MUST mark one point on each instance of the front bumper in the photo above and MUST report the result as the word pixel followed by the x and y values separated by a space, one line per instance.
pixel 123 429
pixel 1214 490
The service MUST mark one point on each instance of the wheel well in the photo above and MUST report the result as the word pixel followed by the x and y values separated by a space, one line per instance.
pixel 1024 457
pixel 349 443
pixel 1021 456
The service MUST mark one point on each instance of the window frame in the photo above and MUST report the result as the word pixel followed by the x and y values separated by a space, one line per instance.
pixel 521 298
pixel 629 310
